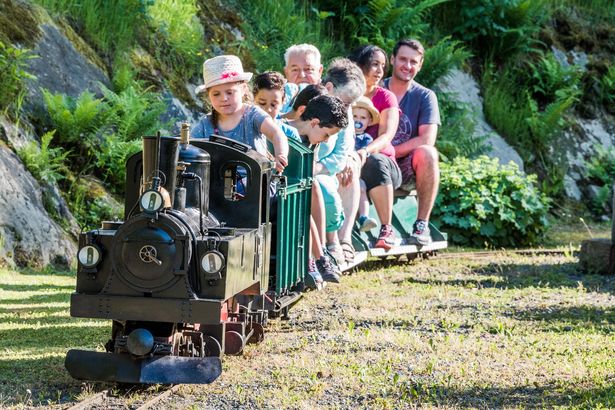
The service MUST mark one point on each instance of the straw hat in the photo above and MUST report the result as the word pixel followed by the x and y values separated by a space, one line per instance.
pixel 366 103
pixel 221 70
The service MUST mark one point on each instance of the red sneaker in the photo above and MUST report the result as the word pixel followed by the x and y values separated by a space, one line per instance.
pixel 386 239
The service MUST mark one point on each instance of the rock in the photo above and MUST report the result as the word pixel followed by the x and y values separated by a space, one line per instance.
pixel 16 136
pixel 176 113
pixel 28 235
pixel 595 256
pixel 60 68
pixel 571 188
pixel 465 90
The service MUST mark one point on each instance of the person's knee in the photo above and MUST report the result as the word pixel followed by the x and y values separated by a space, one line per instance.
pixel 425 157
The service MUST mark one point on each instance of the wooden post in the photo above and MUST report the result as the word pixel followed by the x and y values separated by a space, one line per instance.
pixel 611 270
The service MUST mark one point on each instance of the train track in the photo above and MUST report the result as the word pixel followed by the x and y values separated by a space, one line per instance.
pixel 522 252
pixel 105 400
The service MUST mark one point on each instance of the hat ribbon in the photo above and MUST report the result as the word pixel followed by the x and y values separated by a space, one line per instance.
pixel 228 74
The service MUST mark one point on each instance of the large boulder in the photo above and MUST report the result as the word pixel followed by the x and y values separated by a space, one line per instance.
pixel 28 235
pixel 465 90
pixel 61 68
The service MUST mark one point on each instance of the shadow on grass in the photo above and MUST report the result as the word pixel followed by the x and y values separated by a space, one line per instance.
pixel 518 276
pixel 524 396
pixel 33 299
pixel 34 288
pixel 37 382
pixel 571 317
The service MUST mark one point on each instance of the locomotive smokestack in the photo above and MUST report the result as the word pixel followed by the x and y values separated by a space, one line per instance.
pixel 160 154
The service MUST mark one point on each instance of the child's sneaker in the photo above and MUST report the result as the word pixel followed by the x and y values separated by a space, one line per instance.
pixel 386 239
pixel 366 223
pixel 313 280
pixel 328 270
pixel 421 233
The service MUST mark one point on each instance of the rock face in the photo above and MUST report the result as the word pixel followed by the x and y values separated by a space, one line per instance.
pixel 465 90
pixel 28 236
pixel 61 68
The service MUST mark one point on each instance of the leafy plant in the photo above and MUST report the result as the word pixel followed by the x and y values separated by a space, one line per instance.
pixel 75 119
pixel 13 63
pixel 178 23
pixel 549 80
pixel 46 164
pixel 600 171
pixel 111 159
pixel 484 203
pixel 495 29
pixel 457 137
pixel 607 88
pixel 380 22
pixel 271 27
pixel 111 26
pixel 440 58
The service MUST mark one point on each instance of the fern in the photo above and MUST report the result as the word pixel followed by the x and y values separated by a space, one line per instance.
pixel 46 164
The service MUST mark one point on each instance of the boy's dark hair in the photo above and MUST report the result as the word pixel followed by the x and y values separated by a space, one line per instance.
pixel 269 80
pixel 412 43
pixel 304 96
pixel 330 110
pixel 364 55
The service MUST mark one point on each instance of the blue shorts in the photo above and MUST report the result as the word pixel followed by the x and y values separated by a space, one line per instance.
pixel 334 211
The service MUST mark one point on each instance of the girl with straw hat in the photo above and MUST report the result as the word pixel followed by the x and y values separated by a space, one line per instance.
pixel 225 84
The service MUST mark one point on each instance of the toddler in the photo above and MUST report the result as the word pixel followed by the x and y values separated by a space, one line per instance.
pixel 364 114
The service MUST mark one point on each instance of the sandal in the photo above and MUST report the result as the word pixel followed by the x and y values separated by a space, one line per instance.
pixel 349 252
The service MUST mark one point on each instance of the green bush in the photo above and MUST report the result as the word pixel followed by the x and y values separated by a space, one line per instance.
pixel 457 137
pixel 177 22
pixel 483 203
pixel 103 132
pixel 600 171
pixel 109 25
pixel 270 27
pixel 13 63
pixel 46 164
pixel 495 29
pixel 380 22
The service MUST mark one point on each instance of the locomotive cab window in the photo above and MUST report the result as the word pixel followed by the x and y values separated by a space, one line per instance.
pixel 236 182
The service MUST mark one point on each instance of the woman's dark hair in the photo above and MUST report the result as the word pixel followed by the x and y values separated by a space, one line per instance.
pixel 364 55
pixel 330 110
pixel 304 96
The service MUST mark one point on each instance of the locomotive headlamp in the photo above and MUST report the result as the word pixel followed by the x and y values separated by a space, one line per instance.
pixel 89 256
pixel 212 262
pixel 151 201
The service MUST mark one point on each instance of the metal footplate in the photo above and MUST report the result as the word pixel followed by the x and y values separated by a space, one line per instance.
pixel 110 367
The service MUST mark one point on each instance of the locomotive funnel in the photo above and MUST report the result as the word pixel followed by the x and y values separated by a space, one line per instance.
pixel 110 367
pixel 161 161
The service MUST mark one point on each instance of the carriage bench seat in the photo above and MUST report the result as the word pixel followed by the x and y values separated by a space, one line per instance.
pixel 402 192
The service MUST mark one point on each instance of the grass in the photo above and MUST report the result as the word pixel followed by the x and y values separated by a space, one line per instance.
pixel 509 331
pixel 35 333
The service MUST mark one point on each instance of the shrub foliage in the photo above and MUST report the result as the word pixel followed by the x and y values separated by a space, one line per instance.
pixel 484 203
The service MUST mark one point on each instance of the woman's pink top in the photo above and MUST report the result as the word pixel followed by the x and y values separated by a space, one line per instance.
pixel 382 100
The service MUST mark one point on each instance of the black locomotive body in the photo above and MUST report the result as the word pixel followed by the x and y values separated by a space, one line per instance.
pixel 182 277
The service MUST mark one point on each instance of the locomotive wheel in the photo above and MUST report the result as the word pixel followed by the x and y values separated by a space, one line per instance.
pixel 233 343
pixel 212 347
pixel 259 333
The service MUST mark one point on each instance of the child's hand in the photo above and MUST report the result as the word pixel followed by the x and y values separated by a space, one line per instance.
pixel 280 162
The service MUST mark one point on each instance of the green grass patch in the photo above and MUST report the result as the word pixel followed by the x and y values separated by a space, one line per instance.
pixel 36 331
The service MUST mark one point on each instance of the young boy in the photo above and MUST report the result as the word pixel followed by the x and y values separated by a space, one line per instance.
pixel 364 114
pixel 269 95
pixel 321 117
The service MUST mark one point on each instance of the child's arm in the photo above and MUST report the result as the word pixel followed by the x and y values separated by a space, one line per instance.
pixel 279 141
